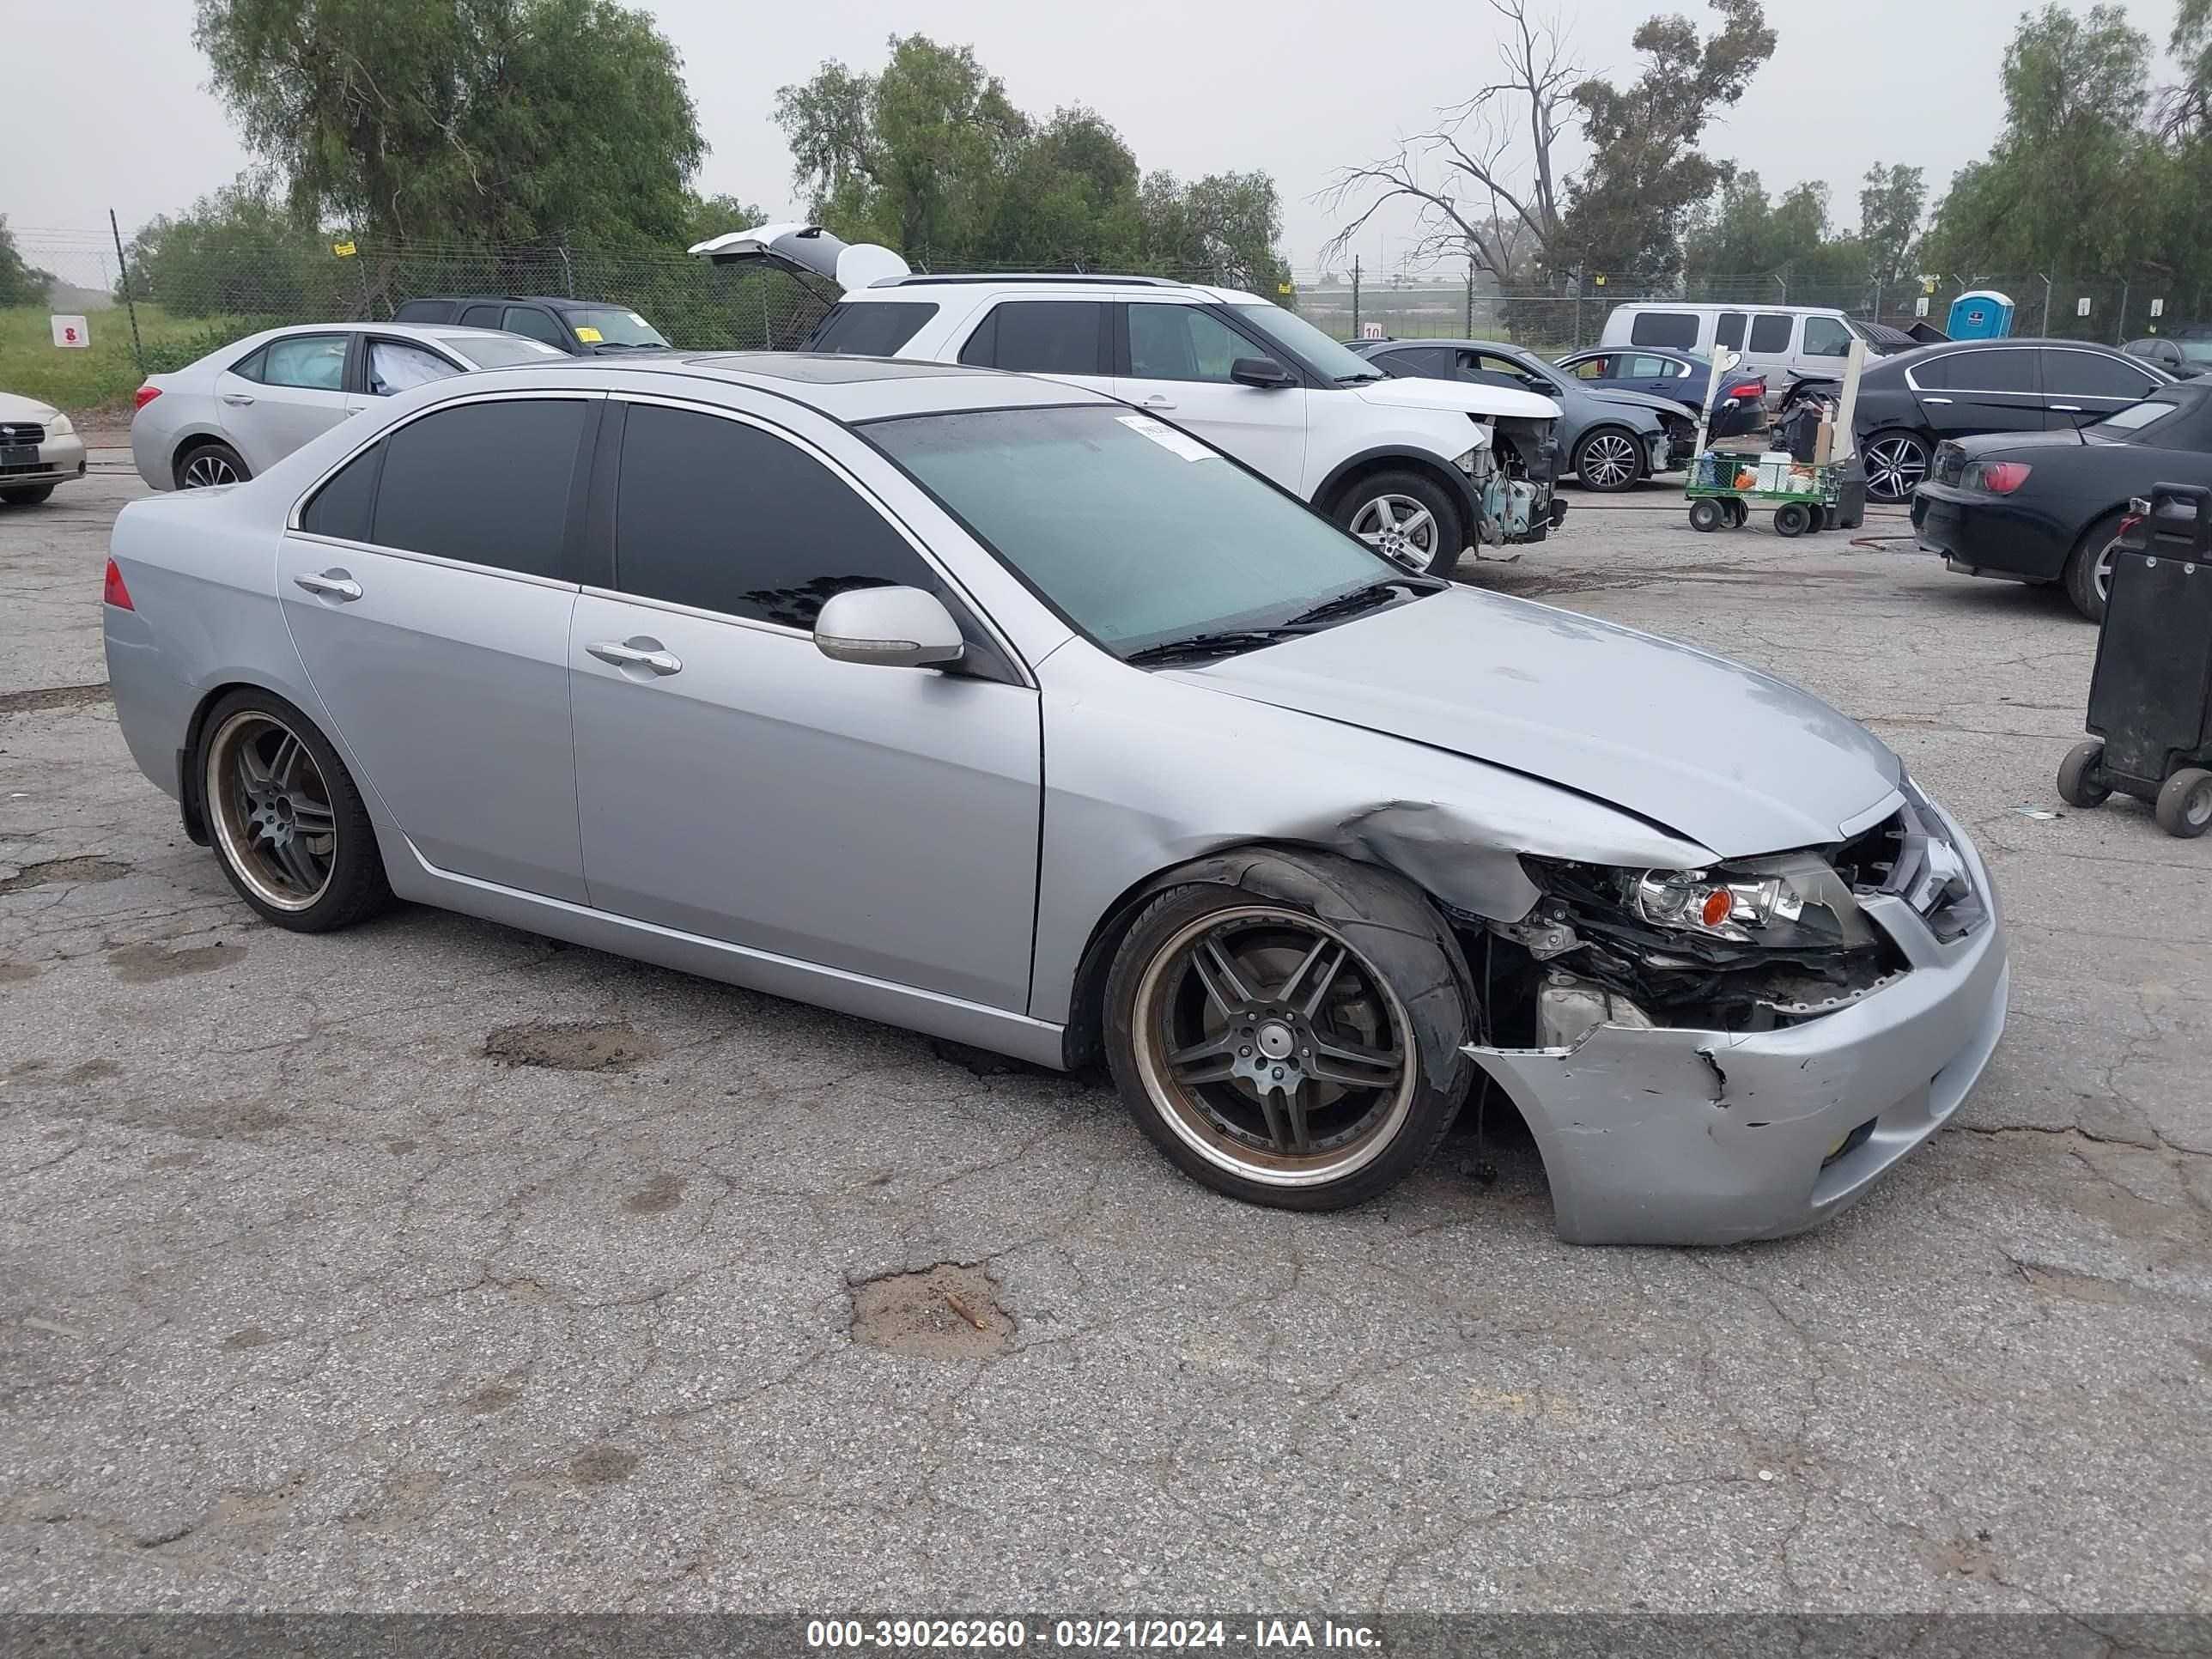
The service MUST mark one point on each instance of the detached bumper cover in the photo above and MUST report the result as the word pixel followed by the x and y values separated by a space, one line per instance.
pixel 1689 1137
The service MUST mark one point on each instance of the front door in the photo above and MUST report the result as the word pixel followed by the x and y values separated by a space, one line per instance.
pixel 426 593
pixel 285 395
pixel 736 783
pixel 1179 359
pixel 2081 388
pixel 1963 393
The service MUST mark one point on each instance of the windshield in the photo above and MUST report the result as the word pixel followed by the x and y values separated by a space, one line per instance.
pixel 2135 417
pixel 502 350
pixel 1134 532
pixel 1288 329
pixel 609 325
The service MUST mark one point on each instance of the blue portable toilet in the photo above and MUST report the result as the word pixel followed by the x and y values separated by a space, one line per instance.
pixel 1983 314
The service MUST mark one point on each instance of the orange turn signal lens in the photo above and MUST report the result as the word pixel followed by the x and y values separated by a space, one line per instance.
pixel 1716 908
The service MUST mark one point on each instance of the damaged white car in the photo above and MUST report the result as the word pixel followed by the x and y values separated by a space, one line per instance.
pixel 1417 469
pixel 989 706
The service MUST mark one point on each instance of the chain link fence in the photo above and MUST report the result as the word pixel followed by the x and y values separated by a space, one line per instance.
pixel 158 302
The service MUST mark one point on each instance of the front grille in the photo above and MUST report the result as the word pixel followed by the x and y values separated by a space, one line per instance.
pixel 1950 463
pixel 1910 854
pixel 21 432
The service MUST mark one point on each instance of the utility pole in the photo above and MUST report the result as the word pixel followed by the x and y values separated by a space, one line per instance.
pixel 1355 296
pixel 122 270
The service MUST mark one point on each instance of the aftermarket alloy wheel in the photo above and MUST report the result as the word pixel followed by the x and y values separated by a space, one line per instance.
pixel 1407 519
pixel 2184 807
pixel 2079 784
pixel 1896 462
pixel 207 464
pixel 1284 1027
pixel 1608 460
pixel 289 826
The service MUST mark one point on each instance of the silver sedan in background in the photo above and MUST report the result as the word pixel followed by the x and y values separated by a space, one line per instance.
pixel 241 408
pixel 996 708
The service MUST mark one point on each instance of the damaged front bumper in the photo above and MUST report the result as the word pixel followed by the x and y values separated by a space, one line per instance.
pixel 1674 1136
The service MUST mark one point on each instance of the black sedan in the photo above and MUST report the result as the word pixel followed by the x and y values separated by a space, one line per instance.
pixel 2045 507
pixel 1911 402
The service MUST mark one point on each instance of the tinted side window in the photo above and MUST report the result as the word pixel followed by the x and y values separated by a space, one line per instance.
pixel 2091 374
pixel 488 482
pixel 1770 333
pixel 1663 328
pixel 870 330
pixel 1993 371
pixel 723 516
pixel 481 316
pixel 1826 338
pixel 342 506
pixel 536 325
pixel 1045 337
pixel 1430 362
pixel 1729 330
pixel 423 311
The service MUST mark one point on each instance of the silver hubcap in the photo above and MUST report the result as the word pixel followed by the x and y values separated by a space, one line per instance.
pixel 270 809
pixel 2102 577
pixel 1608 462
pixel 1399 528
pixel 1272 1049
pixel 208 469
pixel 1895 467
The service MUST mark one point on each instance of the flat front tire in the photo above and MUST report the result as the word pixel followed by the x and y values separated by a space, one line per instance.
pixel 1284 1025
pixel 1406 517
pixel 287 823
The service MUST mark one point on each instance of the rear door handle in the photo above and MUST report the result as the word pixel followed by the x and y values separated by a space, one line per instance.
pixel 643 654
pixel 1934 400
pixel 239 399
pixel 331 584
pixel 2067 409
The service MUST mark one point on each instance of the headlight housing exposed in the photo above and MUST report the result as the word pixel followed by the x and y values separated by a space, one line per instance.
pixel 1791 902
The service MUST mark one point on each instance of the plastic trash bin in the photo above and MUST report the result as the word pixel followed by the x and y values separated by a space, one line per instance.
pixel 2150 692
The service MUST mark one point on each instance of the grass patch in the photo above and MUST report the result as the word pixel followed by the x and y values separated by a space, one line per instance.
pixel 75 381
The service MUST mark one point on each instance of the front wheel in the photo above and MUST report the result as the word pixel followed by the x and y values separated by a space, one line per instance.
pixel 1407 519
pixel 1608 460
pixel 289 826
pixel 1266 1023
pixel 1896 462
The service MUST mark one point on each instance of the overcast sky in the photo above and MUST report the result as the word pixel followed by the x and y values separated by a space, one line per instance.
pixel 113 92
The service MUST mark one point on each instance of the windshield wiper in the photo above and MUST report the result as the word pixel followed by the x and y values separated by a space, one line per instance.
pixel 1361 380
pixel 1372 596
pixel 1225 642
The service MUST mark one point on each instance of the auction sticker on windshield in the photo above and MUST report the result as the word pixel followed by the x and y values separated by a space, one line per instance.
pixel 1167 437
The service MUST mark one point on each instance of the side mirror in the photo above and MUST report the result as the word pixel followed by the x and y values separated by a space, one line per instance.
pixel 1264 373
pixel 890 627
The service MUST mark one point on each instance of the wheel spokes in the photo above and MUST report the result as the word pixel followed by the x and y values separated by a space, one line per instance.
pixel 1309 980
pixel 292 857
pixel 1352 1065
pixel 1217 970
pixel 1210 1060
pixel 1417 526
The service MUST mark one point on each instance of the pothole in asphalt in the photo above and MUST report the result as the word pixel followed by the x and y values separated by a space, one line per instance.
pixel 589 1047
pixel 945 1312
pixel 60 873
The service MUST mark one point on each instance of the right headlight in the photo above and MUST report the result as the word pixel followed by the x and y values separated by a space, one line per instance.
pixel 1790 902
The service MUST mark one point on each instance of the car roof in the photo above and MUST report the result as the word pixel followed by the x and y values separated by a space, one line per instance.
pixel 559 302
pixel 1084 285
pixel 846 388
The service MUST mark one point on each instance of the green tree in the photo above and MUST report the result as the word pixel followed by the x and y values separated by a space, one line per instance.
pixel 1892 200
pixel 240 252
pixel 1627 208
pixel 706 217
pixel 21 283
pixel 469 121
pixel 1221 228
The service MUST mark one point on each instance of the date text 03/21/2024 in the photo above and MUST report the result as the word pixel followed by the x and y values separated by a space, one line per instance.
pixel 1140 1634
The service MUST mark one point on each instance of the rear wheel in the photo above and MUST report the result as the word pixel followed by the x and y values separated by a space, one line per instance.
pixel 1608 460
pixel 1792 519
pixel 2088 576
pixel 1708 514
pixel 204 465
pixel 1896 462
pixel 27 496
pixel 1407 519
pixel 289 826
pixel 1261 1029
pixel 2184 804
pixel 2078 782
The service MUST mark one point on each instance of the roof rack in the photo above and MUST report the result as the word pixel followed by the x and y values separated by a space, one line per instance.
pixel 1094 278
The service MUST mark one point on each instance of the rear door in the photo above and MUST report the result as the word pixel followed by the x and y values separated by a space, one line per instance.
pixel 1175 360
pixel 1660 376
pixel 2082 387
pixel 1769 345
pixel 1069 340
pixel 291 390
pixel 1998 389
pixel 427 589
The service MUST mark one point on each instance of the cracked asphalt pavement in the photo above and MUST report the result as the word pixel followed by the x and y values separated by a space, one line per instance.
pixel 434 1266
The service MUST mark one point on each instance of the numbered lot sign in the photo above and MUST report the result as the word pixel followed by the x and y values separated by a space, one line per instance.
pixel 70 331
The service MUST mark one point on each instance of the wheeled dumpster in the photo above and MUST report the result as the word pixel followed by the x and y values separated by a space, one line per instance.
pixel 2150 692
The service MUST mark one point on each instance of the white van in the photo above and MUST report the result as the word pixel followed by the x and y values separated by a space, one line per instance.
pixel 1775 341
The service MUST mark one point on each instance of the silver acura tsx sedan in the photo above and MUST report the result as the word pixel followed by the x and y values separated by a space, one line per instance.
pixel 995 708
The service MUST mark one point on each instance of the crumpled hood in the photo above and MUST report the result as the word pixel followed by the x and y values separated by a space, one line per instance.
pixel 1411 393
pixel 1734 759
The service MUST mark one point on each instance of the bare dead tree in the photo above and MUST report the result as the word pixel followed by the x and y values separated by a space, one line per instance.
pixel 1478 193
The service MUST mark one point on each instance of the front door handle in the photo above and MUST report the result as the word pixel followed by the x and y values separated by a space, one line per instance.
pixel 1934 400
pixel 2067 409
pixel 331 584
pixel 637 652
pixel 1156 401
pixel 239 399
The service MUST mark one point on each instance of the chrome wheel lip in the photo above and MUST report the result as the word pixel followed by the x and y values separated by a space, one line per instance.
pixel 1895 468
pixel 233 827
pixel 1150 1044
pixel 1608 462
pixel 1400 529
pixel 208 470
